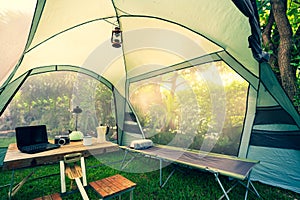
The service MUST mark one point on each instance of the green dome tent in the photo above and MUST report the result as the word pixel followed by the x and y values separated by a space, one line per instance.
pixel 161 40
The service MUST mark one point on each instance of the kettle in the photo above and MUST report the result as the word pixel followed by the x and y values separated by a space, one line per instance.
pixel 76 135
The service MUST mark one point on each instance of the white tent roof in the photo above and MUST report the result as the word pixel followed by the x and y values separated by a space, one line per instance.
pixel 69 32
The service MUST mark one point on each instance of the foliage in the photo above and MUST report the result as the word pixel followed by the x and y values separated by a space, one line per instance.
pixel 42 100
pixel 190 110
pixel 49 99
pixel 293 15
pixel 96 101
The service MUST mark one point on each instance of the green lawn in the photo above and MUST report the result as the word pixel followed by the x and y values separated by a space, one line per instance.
pixel 186 183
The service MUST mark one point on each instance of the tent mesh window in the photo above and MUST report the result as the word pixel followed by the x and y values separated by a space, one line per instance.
pixel 49 99
pixel 189 109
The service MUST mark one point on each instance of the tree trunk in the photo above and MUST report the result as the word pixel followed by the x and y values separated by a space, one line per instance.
pixel 267 41
pixel 287 72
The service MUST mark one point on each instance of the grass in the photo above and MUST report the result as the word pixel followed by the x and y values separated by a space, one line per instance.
pixel 6 141
pixel 184 184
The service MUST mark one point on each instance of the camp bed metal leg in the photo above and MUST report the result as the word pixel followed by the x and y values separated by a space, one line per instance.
pixel 125 155
pixel 161 184
pixel 256 192
pixel 248 188
pixel 168 178
pixel 229 190
pixel 123 164
pixel 221 185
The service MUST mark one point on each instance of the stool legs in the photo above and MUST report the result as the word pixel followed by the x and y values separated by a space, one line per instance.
pixel 131 195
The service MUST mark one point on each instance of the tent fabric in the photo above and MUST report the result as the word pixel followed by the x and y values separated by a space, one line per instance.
pixel 276 139
pixel 2 155
pixel 59 26
pixel 274 160
pixel 159 37
pixel 272 115
pixel 271 84
pixel 250 116
pixel 249 9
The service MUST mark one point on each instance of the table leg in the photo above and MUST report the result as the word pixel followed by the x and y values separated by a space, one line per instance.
pixel 17 187
pixel 62 176
pixel 160 172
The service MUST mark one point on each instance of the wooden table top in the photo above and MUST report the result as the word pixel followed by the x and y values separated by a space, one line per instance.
pixel 14 159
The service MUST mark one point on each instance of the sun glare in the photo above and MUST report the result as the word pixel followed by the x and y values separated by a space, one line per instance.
pixel 17 5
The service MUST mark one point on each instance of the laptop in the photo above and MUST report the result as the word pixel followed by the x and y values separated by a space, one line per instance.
pixel 33 139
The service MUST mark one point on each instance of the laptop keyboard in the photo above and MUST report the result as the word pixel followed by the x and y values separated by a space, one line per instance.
pixel 39 148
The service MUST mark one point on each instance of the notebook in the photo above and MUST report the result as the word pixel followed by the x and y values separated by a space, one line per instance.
pixel 33 139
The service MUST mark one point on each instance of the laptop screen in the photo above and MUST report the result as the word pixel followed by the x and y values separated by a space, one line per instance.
pixel 29 135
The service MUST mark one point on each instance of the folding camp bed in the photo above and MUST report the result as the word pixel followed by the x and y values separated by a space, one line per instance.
pixel 217 164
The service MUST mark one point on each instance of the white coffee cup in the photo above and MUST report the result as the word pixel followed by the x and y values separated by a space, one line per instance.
pixel 87 140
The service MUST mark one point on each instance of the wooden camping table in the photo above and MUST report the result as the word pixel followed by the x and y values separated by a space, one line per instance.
pixel 14 159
